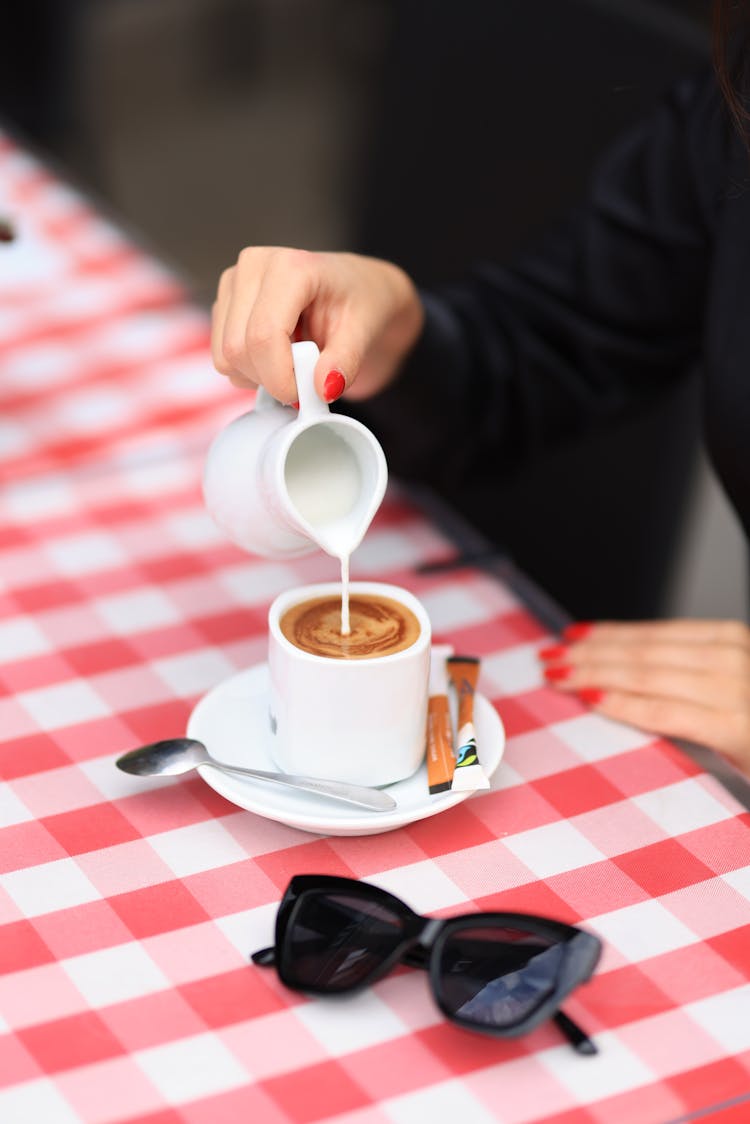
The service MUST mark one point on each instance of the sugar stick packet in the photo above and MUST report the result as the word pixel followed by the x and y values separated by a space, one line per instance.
pixel 440 760
pixel 468 774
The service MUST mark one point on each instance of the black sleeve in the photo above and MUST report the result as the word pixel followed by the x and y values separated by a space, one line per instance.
pixel 601 315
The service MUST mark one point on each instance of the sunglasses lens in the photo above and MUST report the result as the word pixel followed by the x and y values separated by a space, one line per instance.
pixel 336 941
pixel 495 977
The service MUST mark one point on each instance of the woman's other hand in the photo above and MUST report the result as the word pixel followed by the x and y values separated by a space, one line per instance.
pixel 364 314
pixel 684 679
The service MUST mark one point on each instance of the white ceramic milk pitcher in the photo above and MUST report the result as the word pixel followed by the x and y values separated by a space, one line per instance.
pixel 282 482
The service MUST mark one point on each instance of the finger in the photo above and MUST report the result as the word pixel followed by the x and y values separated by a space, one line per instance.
pixel 721 658
pixel 670 632
pixel 241 295
pixel 218 321
pixel 728 732
pixel 341 359
pixel 720 692
pixel 287 287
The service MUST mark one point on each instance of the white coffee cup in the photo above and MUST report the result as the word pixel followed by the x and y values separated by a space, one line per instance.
pixel 362 721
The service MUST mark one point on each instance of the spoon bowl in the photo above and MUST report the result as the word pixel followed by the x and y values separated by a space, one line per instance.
pixel 175 756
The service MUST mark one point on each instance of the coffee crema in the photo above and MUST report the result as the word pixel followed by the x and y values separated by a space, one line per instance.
pixel 379 626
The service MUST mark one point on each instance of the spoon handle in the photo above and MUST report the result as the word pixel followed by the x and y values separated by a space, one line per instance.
pixel 371 798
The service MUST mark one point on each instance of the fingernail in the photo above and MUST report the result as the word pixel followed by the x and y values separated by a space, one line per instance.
pixel 590 695
pixel 553 652
pixel 578 630
pixel 334 385
pixel 294 405
pixel 556 673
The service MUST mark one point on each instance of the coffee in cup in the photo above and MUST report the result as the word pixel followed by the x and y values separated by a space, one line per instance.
pixel 349 707
pixel 378 626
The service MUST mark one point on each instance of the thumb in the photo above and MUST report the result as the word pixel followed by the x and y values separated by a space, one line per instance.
pixel 337 367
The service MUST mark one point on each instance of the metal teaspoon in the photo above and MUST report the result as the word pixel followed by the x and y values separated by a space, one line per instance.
pixel 174 756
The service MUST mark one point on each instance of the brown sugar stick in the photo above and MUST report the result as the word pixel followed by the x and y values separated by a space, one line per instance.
pixel 440 761
pixel 468 774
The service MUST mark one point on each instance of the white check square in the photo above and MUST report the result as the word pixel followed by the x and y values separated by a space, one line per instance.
pixel 369 1021
pixel 38 499
pixel 453 608
pixel 553 849
pixel 64 704
pixel 112 975
pixel 423 886
pixel 595 738
pixel 85 554
pixel 191 1068
pixel 49 887
pixel 12 810
pixel 21 638
pixel 193 672
pixel 257 584
pixel 682 807
pixel 193 529
pixel 137 611
pixel 512 672
pixel 726 1017
pixel 739 880
pixel 197 847
pixel 615 1069
pixel 250 929
pixel 35 1101
pixel 642 929
pixel 447 1101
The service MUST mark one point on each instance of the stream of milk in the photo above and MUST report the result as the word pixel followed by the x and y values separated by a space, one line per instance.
pixel 324 482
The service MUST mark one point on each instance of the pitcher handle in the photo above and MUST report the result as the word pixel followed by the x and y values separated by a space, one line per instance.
pixel 311 407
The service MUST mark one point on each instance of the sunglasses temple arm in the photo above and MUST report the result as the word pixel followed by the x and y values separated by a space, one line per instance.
pixel 265 957
pixel 577 1037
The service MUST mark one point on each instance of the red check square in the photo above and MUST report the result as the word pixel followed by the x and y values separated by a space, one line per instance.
pixel 90 829
pixel 158 909
pixel 100 656
pixel 577 790
pixel 232 997
pixel 27 844
pixel 662 867
pixel 436 835
pixel 316 1092
pixel 623 995
pixel 734 947
pixel 21 947
pixel 711 1084
pixel 32 754
pixel 66 1043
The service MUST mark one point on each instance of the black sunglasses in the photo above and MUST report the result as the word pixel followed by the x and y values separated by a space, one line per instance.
pixel 497 973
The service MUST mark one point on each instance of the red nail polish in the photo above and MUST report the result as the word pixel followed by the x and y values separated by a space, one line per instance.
pixel 555 673
pixel 334 385
pixel 591 695
pixel 553 652
pixel 578 630
pixel 295 405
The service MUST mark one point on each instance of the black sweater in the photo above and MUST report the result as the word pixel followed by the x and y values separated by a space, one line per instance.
pixel 650 275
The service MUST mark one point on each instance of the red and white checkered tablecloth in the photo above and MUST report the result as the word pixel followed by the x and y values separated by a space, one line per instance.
pixel 128 909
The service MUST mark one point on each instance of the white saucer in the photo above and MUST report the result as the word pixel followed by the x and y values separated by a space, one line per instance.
pixel 232 721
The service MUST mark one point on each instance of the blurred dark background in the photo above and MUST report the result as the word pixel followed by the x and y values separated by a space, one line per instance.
pixel 434 132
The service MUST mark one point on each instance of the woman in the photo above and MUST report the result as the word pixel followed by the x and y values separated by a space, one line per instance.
pixel 649 276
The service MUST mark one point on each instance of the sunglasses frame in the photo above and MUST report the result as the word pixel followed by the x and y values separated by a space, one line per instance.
pixel 422 946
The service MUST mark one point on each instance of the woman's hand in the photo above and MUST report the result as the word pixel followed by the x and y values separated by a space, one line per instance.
pixel 684 679
pixel 364 315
